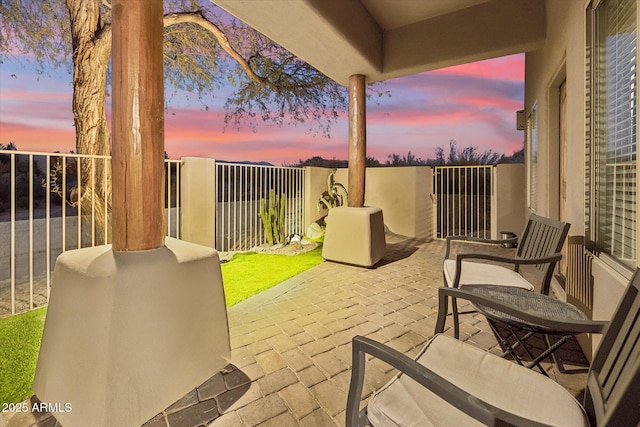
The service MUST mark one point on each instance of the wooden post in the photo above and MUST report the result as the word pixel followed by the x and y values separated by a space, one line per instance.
pixel 137 116
pixel 357 140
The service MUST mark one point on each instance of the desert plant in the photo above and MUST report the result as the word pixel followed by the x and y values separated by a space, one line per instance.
pixel 273 218
pixel 335 195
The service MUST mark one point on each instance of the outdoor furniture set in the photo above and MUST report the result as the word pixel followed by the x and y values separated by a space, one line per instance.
pixel 451 382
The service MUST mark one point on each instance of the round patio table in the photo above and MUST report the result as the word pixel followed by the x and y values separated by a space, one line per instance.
pixel 533 303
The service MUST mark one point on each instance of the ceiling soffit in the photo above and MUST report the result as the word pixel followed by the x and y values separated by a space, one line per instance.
pixel 382 39
pixel 399 13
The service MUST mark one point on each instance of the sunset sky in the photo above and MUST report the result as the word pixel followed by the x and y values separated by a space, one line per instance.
pixel 473 104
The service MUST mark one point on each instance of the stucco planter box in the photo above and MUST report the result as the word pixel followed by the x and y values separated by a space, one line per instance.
pixel 354 236
pixel 129 333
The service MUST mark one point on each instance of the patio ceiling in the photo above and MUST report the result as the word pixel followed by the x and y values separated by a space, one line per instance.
pixel 382 39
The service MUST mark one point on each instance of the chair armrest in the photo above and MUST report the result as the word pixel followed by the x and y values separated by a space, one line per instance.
pixel 476 240
pixel 515 261
pixel 566 325
pixel 462 400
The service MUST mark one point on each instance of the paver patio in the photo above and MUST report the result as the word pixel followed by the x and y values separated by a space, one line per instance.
pixel 291 345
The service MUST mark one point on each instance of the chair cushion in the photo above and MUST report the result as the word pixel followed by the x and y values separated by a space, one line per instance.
pixel 476 273
pixel 497 381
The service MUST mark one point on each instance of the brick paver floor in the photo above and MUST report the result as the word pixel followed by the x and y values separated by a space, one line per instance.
pixel 291 345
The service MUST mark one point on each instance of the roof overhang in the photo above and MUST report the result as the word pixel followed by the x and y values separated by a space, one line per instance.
pixel 383 39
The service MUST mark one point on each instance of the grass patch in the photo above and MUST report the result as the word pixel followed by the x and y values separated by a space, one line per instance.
pixel 249 273
pixel 244 275
pixel 20 338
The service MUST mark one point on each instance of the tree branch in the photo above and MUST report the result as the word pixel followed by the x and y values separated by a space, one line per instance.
pixel 103 37
pixel 198 19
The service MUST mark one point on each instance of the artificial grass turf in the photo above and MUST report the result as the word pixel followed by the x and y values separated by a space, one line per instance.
pixel 20 338
pixel 244 275
pixel 249 273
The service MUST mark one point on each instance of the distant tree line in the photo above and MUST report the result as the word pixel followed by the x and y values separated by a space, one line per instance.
pixel 470 155
pixel 10 146
pixel 329 163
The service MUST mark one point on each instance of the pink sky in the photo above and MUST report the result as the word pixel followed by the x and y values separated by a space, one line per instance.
pixel 474 104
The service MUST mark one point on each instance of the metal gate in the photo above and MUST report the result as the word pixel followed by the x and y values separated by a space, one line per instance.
pixel 241 187
pixel 463 200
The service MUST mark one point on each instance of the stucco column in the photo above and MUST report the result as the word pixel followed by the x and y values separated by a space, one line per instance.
pixel 357 140
pixel 138 125
pixel 132 327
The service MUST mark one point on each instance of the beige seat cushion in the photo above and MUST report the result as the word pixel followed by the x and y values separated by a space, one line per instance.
pixel 497 381
pixel 476 273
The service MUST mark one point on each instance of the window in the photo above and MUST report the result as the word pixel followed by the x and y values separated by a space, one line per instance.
pixel 612 57
pixel 532 154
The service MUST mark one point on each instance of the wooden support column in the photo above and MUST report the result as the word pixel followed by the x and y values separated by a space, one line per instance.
pixel 357 140
pixel 137 116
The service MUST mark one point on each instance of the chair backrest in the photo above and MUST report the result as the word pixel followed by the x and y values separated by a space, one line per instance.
pixel 542 237
pixel 613 383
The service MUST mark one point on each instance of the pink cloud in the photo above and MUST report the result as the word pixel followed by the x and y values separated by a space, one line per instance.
pixel 418 118
pixel 22 96
pixel 507 67
pixel 37 139
pixel 198 132
pixel 489 101
pixel 473 104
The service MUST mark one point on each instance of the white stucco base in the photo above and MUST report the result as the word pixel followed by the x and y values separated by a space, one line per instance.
pixel 128 334
pixel 354 235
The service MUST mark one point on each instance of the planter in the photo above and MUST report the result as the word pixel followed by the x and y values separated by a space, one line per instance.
pixel 354 236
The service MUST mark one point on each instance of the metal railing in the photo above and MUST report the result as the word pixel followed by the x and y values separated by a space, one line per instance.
pixel 173 175
pixel 51 203
pixel 463 200
pixel 241 187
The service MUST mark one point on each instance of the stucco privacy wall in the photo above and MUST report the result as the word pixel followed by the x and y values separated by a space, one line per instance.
pixel 563 56
pixel 404 195
pixel 509 191
pixel 198 194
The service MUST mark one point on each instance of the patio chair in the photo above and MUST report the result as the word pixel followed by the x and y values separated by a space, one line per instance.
pixel 540 245
pixel 455 383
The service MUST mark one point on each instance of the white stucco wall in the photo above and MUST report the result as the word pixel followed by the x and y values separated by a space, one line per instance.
pixel 404 195
pixel 510 199
pixel 563 56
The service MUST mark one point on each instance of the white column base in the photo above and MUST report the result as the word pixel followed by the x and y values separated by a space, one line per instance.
pixel 354 236
pixel 128 334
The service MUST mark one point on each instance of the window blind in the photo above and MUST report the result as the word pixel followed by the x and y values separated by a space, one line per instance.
pixel 615 129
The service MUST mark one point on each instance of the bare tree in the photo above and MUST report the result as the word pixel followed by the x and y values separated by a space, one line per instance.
pixel 203 48
pixel 467 156
pixel 405 160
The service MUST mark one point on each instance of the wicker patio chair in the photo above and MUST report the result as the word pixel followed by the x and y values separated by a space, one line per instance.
pixel 455 383
pixel 540 245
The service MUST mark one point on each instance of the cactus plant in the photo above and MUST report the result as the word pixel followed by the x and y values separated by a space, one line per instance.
pixel 273 218
pixel 335 195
